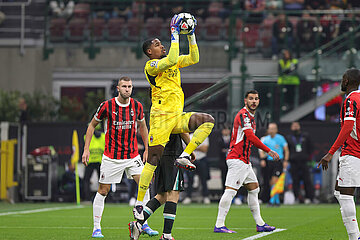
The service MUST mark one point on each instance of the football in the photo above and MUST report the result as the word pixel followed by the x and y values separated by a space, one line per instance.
pixel 187 23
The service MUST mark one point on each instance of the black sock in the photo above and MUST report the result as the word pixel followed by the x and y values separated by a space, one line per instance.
pixel 150 208
pixel 169 216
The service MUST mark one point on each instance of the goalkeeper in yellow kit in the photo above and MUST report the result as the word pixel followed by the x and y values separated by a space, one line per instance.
pixel 166 115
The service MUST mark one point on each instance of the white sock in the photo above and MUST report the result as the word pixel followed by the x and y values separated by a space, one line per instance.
pixel 348 213
pixel 167 235
pixel 224 206
pixel 98 208
pixel 184 154
pixel 146 199
pixel 254 206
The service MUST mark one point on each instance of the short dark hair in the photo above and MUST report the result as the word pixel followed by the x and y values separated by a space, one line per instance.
pixel 124 78
pixel 251 92
pixel 353 75
pixel 146 45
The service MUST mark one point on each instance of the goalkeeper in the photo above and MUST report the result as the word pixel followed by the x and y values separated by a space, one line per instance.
pixel 166 114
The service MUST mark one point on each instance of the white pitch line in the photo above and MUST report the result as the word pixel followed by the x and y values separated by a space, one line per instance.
pixel 260 235
pixel 39 210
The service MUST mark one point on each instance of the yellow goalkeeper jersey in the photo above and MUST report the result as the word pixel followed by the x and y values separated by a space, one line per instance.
pixel 164 78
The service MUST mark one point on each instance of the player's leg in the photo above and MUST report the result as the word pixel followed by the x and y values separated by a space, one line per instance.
pixel 237 171
pixel 199 123
pixel 348 178
pixel 172 198
pixel 154 155
pixel 252 185
pixel 145 227
pixel 98 208
pixel 276 172
pixel 110 172
pixel 345 197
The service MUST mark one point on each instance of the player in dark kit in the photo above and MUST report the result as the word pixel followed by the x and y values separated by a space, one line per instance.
pixel 349 162
pixel 122 115
pixel 169 182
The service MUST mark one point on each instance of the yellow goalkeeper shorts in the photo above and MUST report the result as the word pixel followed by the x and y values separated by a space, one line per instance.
pixel 162 125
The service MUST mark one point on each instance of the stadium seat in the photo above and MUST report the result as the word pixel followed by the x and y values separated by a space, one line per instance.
pixel 133 27
pixel 76 30
pixel 97 29
pixel 81 10
pixel 265 32
pixel 116 28
pixel 238 28
pixel 213 28
pixel 57 29
pixel 153 27
pixel 250 35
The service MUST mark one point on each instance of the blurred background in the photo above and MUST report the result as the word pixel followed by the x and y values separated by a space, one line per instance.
pixel 60 59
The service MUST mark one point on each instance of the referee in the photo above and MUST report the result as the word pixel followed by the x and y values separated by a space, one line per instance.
pixel 272 169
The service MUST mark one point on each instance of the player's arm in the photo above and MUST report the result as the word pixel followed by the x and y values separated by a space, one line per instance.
pixel 157 66
pixel 286 156
pixel 193 56
pixel 89 135
pixel 257 143
pixel 343 135
pixel 143 130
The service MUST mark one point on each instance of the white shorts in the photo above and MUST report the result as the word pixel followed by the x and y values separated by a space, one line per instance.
pixel 349 171
pixel 239 173
pixel 111 170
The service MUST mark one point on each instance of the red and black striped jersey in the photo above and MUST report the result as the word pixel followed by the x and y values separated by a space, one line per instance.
pixel 240 146
pixel 120 127
pixel 350 112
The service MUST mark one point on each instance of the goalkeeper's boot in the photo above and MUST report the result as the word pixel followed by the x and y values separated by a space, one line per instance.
pixel 164 238
pixel 265 228
pixel 97 234
pixel 185 163
pixel 147 230
pixel 134 230
pixel 223 229
pixel 138 212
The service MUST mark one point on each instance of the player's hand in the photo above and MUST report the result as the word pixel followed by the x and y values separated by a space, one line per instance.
pixel 175 24
pixel 85 157
pixel 193 157
pixel 285 165
pixel 274 155
pixel 195 24
pixel 325 161
pixel 263 163
pixel 145 156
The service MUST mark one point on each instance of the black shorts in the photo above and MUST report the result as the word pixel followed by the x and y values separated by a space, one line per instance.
pixel 167 176
pixel 275 168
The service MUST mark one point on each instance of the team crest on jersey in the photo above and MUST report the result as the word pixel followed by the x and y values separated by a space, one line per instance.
pixel 151 139
pixel 153 64
pixel 132 112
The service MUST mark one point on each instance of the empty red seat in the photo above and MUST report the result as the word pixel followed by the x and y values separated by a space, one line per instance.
pixel 213 28
pixel 116 29
pixel 82 10
pixel 134 27
pixel 97 28
pixel 57 29
pixel 76 29
pixel 153 27
pixel 250 35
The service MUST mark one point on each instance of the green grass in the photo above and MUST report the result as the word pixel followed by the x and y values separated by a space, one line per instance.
pixel 192 222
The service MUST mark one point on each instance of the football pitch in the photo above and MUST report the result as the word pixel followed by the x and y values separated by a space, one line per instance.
pixel 196 221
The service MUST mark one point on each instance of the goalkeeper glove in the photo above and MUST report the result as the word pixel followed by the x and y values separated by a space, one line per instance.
pixel 175 24
pixel 195 24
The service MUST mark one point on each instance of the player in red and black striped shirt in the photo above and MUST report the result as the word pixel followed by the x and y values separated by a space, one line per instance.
pixel 240 172
pixel 349 162
pixel 122 115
